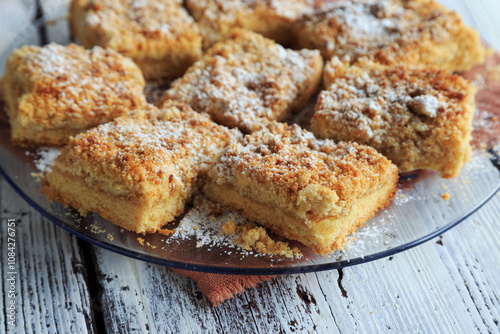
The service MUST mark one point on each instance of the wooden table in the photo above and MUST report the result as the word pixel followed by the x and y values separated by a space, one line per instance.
pixel 64 285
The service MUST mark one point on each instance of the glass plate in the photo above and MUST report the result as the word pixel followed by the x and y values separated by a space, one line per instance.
pixel 417 214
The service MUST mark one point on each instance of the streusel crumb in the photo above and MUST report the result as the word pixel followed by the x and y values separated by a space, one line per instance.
pixel 391 32
pixel 420 118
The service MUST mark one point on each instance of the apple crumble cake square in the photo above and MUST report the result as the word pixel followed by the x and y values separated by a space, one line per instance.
pixel 310 190
pixel 159 35
pixel 140 170
pixel 391 31
pixel 420 118
pixel 249 80
pixel 55 91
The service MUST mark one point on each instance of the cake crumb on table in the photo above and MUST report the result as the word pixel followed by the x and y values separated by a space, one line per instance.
pixel 252 237
pixel 166 231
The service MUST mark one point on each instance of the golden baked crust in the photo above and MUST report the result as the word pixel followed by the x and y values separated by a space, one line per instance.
pixel 420 118
pixel 313 191
pixel 272 18
pixel 391 31
pixel 55 91
pixel 159 35
pixel 248 80
pixel 140 170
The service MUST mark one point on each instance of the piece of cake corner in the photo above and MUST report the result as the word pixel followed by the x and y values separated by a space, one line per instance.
pixel 55 91
pixel 273 19
pixel 159 35
pixel 249 80
pixel 314 191
pixel 420 118
pixel 140 170
pixel 391 32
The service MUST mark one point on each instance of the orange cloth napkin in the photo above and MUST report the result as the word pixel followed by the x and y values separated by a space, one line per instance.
pixel 219 287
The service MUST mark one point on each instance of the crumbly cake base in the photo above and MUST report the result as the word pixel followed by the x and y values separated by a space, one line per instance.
pixel 32 134
pixel 167 68
pixel 140 170
pixel 323 235
pixel 160 36
pixel 133 214
pixel 273 19
pixel 248 81
pixel 391 32
pixel 419 118
pixel 54 92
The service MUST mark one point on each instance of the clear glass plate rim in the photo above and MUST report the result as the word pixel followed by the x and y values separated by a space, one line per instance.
pixel 229 270
pixel 247 271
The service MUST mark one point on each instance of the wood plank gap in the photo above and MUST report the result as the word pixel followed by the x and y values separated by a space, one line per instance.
pixel 42 29
pixel 94 286
pixel 245 295
pixel 329 305
pixel 339 283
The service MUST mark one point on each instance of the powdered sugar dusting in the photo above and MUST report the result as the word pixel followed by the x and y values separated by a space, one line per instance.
pixel 47 156
pixel 245 81
pixel 156 144
pixel 135 20
pixel 383 29
pixel 367 237
pixel 206 228
pixel 82 87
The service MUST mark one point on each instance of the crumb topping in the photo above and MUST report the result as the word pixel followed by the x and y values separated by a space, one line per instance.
pixel 252 237
pixel 230 10
pixel 245 80
pixel 372 102
pixel 73 85
pixel 153 145
pixel 216 15
pixel 418 117
pixel 137 21
pixel 384 30
pixel 425 105
pixel 288 161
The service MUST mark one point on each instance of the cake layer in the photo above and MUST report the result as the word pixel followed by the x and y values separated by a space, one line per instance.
pixel 159 35
pixel 313 191
pixel 248 81
pixel 56 91
pixel 140 170
pixel 324 235
pixel 420 118
pixel 391 32
pixel 127 212
pixel 273 19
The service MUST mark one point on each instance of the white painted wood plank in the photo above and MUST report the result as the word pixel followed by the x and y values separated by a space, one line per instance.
pixel 55 13
pixel 51 293
pixel 450 286
pixel 474 252
pixel 138 297
pixel 16 16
